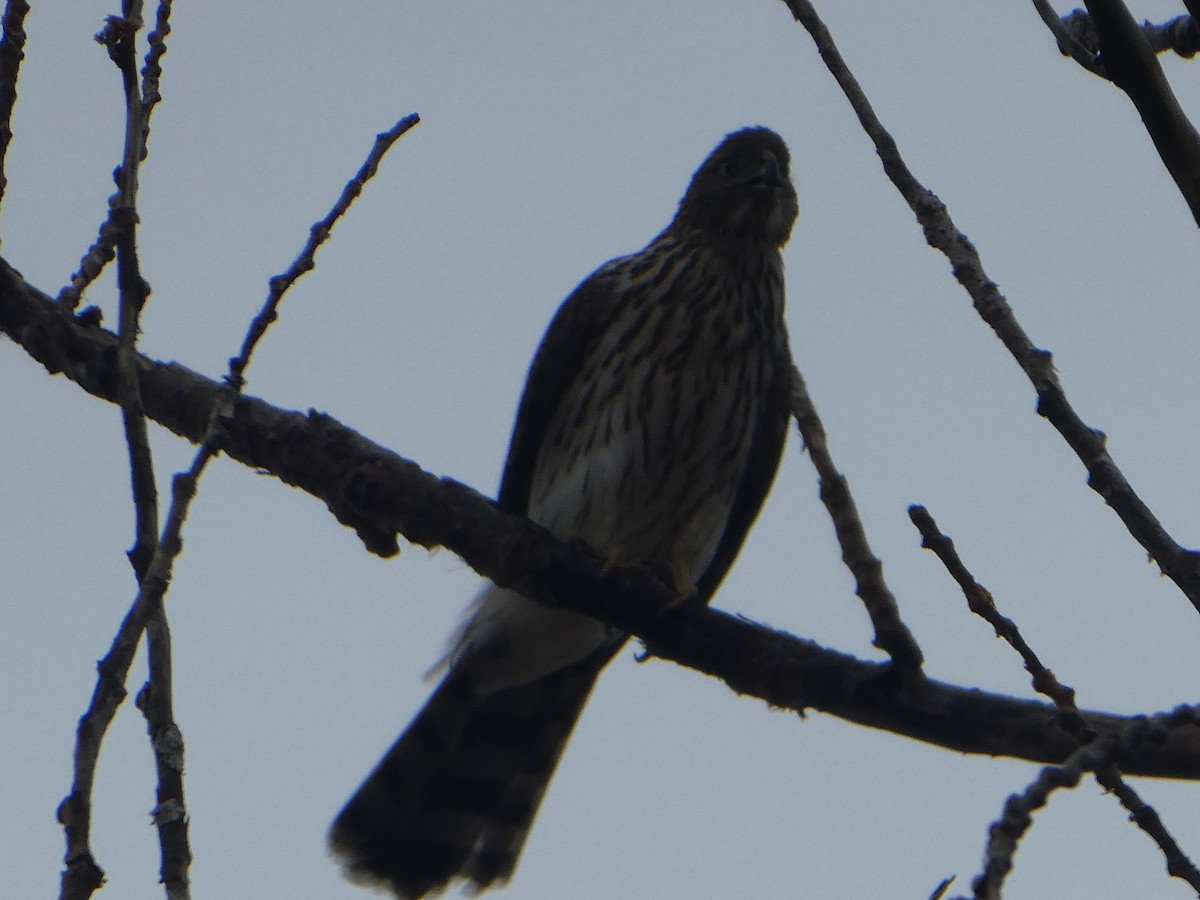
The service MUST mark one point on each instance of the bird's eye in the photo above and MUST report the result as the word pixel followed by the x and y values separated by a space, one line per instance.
pixel 728 168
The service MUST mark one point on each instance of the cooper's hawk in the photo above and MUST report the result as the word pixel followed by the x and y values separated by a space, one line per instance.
pixel 651 427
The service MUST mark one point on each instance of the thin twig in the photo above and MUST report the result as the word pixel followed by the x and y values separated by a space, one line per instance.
pixel 1146 818
pixel 103 249
pixel 156 699
pixel 119 36
pixel 157 706
pixel 981 602
pixel 1006 833
pixel 12 52
pixel 1181 565
pixel 1100 758
pixel 157 41
pixel 110 692
pixel 891 634
pixel 318 234
pixel 1068 40
pixel 94 260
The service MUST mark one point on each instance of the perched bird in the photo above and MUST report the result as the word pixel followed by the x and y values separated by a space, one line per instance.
pixel 651 427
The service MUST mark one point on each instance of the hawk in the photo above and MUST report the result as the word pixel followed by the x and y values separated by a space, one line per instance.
pixel 651 427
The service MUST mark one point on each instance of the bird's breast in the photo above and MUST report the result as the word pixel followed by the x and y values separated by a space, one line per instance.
pixel 647 447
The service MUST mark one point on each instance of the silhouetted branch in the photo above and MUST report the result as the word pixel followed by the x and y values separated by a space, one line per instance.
pixel 12 52
pixel 157 49
pixel 1006 833
pixel 891 634
pixel 1181 565
pixel 1179 35
pixel 380 494
pixel 1108 42
pixel 317 235
pixel 1102 757
pixel 1072 37
pixel 1147 818
pixel 148 614
pixel 93 262
pixel 119 37
pixel 980 602
pixel 1131 64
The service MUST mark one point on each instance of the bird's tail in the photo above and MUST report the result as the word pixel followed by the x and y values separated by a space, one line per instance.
pixel 456 794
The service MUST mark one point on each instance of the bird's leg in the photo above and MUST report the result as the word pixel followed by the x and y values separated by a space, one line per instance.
pixel 672 572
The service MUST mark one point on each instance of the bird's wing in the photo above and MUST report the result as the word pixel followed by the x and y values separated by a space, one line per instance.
pixel 569 338
pixel 757 476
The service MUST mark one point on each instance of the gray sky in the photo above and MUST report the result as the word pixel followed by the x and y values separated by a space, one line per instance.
pixel 556 136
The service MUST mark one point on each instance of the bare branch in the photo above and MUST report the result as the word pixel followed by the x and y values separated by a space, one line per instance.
pixel 1006 834
pixel 1193 8
pixel 1146 818
pixel 1071 42
pixel 98 255
pixel 152 71
pixel 74 812
pixel 1179 35
pixel 1181 565
pixel 1130 62
pixel 12 52
pixel 980 602
pixel 318 234
pixel 119 37
pixel 156 703
pixel 380 494
pixel 1102 756
pixel 891 634
pixel 148 613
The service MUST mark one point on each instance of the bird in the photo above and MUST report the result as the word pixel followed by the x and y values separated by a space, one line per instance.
pixel 650 429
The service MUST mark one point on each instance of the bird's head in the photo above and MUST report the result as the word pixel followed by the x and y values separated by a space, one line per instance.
pixel 742 193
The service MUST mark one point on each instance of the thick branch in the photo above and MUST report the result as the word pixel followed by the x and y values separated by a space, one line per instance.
pixel 1131 64
pixel 380 495
pixel 1076 35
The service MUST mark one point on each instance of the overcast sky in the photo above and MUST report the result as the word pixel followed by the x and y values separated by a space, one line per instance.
pixel 555 136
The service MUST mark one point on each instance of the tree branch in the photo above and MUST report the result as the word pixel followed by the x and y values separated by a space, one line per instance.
pixel 1076 36
pixel 1071 37
pixel 380 494
pixel 1129 61
pixel 891 634
pixel 1179 564
pixel 1006 833
pixel 12 52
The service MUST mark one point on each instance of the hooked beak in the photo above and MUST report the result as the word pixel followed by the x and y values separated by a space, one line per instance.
pixel 769 175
